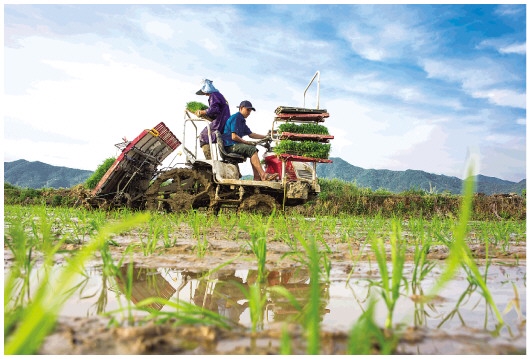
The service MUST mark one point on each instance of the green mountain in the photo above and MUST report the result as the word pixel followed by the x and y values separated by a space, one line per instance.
pixel 26 174
pixel 36 174
pixel 399 181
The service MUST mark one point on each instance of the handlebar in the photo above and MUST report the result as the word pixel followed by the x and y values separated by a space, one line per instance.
pixel 265 142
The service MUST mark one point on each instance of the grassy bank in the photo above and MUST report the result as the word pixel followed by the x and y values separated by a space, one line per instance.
pixel 336 198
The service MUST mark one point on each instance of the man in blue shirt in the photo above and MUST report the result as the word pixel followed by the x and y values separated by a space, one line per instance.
pixel 235 129
pixel 218 110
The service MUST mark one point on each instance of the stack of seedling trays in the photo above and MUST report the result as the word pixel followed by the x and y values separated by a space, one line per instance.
pixel 301 137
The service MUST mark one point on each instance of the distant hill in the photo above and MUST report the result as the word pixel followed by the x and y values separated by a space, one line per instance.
pixel 399 181
pixel 22 173
pixel 37 174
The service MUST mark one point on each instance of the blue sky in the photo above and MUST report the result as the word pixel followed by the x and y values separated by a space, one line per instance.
pixel 418 87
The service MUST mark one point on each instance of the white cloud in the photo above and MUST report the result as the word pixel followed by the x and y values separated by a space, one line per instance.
pixel 479 79
pixel 503 97
pixel 509 10
pixel 500 138
pixel 160 29
pixel 504 46
pixel 521 121
pixel 513 49
pixel 380 33
pixel 95 104
pixel 386 137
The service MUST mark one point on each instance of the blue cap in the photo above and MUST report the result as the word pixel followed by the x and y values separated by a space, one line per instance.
pixel 246 104
pixel 207 87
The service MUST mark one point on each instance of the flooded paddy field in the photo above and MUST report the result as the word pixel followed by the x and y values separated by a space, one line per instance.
pixel 246 284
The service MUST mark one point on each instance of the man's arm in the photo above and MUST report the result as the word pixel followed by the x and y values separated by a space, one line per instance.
pixel 238 139
pixel 257 136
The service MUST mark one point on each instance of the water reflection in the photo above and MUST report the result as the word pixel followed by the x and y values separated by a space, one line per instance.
pixel 458 308
pixel 145 283
pixel 224 291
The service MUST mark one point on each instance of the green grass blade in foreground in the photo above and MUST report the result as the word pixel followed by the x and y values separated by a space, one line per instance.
pixel 460 254
pixel 366 334
pixel 185 313
pixel 312 321
pixel 39 316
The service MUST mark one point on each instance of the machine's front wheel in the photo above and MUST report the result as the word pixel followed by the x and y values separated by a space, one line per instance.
pixel 178 190
pixel 259 203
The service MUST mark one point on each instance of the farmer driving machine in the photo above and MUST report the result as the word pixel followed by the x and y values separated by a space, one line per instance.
pixel 294 146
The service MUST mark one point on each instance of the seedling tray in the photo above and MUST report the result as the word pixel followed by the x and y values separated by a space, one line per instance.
pixel 305 137
pixel 291 157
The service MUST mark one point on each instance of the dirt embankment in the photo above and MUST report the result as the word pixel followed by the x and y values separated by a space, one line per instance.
pixel 494 207
pixel 499 206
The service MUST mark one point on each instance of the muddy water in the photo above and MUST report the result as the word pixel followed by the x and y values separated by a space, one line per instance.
pixel 457 321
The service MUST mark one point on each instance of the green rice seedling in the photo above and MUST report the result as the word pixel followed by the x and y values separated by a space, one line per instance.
pixel 366 336
pixel 304 128
pixel 194 106
pixel 285 341
pixel 303 148
pixel 460 254
pixel 228 224
pixel 158 230
pixel 501 232
pixel 258 232
pixel 36 319
pixel 42 231
pixel 256 304
pixel 421 303
pixel 149 240
pixel 169 223
pixel 198 225
pixel 313 259
pixel 303 254
pixel 312 321
pixel 390 283
pixel 77 223
pixel 17 286
pixel 196 222
pixel 109 269
pixel 27 247
pixel 463 299
pixel 202 246
pixel 330 224
pixel 422 266
pixel 181 313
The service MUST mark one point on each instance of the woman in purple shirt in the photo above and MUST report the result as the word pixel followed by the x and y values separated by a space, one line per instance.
pixel 218 110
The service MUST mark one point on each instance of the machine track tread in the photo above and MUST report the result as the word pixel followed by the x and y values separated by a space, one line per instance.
pixel 178 190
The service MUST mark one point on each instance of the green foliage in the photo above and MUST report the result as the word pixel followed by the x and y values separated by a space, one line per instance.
pixel 366 335
pixel 460 254
pixel 258 231
pixel 391 281
pixel 303 148
pixel 93 180
pixel 194 106
pixel 304 128
pixel 182 313
pixel 26 324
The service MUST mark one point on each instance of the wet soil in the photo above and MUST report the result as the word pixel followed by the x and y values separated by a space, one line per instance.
pixel 94 335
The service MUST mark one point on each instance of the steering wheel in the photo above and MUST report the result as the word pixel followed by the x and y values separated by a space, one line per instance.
pixel 265 142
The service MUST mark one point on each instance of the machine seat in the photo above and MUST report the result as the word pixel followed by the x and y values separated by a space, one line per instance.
pixel 226 156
